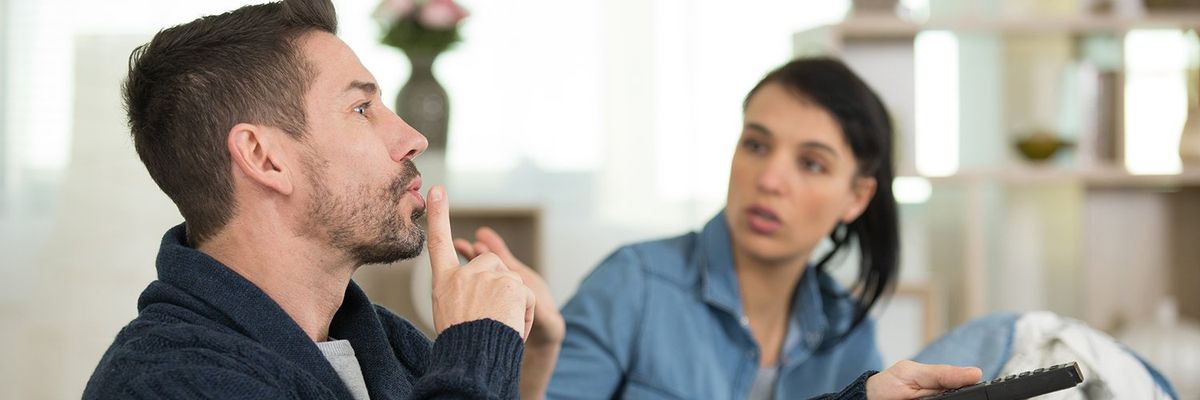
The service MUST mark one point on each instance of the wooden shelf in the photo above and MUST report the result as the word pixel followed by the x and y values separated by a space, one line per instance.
pixel 1123 179
pixel 1102 177
pixel 886 26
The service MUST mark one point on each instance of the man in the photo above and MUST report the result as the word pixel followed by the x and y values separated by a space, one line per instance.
pixel 271 138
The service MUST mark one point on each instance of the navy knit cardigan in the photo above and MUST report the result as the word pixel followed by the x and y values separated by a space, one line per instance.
pixel 203 331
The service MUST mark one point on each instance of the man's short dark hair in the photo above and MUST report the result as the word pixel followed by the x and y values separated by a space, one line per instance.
pixel 192 83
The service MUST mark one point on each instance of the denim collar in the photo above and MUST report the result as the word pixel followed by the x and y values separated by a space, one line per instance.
pixel 808 324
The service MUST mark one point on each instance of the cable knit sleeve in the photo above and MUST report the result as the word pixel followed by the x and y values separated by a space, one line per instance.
pixel 473 360
pixel 856 390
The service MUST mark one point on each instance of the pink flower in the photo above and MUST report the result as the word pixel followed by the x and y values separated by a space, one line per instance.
pixel 441 14
pixel 391 10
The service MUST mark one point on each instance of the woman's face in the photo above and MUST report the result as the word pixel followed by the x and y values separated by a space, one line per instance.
pixel 793 178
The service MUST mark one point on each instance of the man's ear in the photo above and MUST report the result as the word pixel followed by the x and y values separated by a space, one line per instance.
pixel 258 152
pixel 861 193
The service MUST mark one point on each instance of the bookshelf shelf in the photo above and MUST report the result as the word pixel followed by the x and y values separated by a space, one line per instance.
pixel 885 27
pixel 1070 235
pixel 1101 177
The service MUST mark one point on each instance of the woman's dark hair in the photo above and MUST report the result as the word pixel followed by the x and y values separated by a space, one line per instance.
pixel 868 130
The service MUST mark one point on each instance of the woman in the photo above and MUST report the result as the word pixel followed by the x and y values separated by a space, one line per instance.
pixel 737 310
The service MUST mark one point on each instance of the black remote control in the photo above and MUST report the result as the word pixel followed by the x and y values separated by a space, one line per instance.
pixel 1018 386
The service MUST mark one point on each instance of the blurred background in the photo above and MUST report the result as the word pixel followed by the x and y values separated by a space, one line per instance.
pixel 1048 153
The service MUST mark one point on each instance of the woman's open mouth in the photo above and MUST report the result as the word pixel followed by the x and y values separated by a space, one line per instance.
pixel 763 220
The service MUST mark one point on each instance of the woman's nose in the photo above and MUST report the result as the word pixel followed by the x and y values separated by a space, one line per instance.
pixel 772 177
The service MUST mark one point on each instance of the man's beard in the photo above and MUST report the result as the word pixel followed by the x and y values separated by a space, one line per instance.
pixel 366 223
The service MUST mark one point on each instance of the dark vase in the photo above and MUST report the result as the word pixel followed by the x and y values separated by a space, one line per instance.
pixel 423 103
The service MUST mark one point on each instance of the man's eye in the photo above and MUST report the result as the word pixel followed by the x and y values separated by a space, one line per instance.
pixel 362 108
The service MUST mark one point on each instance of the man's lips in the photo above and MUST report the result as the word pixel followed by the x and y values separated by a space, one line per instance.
pixel 414 185
pixel 763 220
pixel 414 188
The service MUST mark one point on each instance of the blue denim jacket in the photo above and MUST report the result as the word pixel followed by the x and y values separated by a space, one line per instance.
pixel 664 320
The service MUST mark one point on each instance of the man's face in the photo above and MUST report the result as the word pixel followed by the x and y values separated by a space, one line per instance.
pixel 363 191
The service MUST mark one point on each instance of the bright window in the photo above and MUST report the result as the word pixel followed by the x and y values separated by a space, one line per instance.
pixel 1155 100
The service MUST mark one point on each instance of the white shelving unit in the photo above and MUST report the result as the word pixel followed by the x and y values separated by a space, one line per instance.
pixel 1095 177
pixel 1085 238
pixel 887 26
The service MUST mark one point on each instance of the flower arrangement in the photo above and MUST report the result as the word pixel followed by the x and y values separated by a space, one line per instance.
pixel 424 27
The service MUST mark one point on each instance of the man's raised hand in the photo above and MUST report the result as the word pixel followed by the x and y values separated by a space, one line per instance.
pixel 484 288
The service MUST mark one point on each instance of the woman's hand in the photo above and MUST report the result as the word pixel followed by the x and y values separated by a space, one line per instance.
pixel 546 336
pixel 548 326
pixel 910 380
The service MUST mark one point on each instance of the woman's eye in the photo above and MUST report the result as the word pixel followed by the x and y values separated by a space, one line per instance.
pixel 812 166
pixel 754 146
